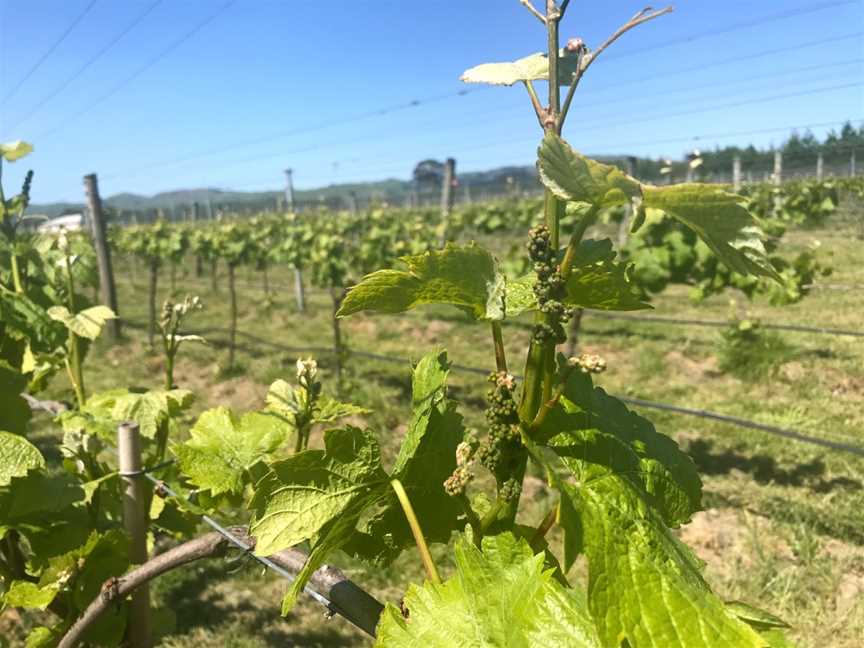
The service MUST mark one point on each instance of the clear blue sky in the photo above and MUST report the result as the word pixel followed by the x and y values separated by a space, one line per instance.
pixel 263 71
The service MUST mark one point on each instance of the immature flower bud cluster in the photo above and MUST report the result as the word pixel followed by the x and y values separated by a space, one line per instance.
pixel 25 188
pixel 588 363
pixel 307 371
pixel 455 484
pixel 549 288
pixel 465 453
pixel 510 490
pixel 498 447
pixel 173 312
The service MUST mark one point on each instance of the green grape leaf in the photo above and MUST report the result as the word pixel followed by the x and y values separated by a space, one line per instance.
pixel 329 410
pixel 222 446
pixel 534 67
pixel 576 178
pixel 426 459
pixel 284 398
pixel 644 586
pixel 463 276
pixel 317 495
pixel 27 595
pixel 87 324
pixel 598 435
pixel 24 318
pixel 720 219
pixel 520 295
pixel 14 411
pixel 596 281
pixel 753 616
pixel 501 596
pixel 17 457
pixel 11 151
pixel 37 495
pixel 150 409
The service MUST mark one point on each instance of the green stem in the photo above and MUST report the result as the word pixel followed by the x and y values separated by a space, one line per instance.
pixel 76 370
pixel 576 238
pixel 544 527
pixel 473 520
pixel 414 523
pixel 16 274
pixel 498 341
pixel 79 395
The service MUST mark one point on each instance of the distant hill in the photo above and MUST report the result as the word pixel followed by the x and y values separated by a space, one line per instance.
pixel 482 184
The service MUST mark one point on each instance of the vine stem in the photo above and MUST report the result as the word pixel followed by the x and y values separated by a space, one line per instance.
pixel 414 523
pixel 545 525
pixel 498 341
pixel 16 274
pixel 73 361
pixel 576 238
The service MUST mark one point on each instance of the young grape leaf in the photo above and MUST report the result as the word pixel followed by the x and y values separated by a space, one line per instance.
pixel 17 457
pixel 644 586
pixel 14 410
pixel 463 276
pixel 576 178
pixel 720 219
pixel 150 409
pixel 87 324
pixel 596 281
pixel 759 619
pixel 27 595
pixel 25 319
pixel 597 434
pixel 222 446
pixel 12 151
pixel 288 401
pixel 426 459
pixel 301 495
pixel 534 67
pixel 501 596
pixel 329 410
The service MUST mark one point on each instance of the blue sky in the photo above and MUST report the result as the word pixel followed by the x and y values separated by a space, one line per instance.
pixel 264 85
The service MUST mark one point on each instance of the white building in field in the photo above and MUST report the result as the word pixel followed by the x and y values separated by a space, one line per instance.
pixel 71 222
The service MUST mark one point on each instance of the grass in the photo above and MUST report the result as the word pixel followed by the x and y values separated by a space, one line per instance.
pixel 784 525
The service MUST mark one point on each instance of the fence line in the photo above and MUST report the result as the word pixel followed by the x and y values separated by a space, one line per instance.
pixel 796 328
pixel 740 422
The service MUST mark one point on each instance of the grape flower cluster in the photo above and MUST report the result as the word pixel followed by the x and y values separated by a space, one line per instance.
pixel 549 288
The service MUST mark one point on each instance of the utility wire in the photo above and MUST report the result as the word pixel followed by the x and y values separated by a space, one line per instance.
pixel 389 109
pixel 734 420
pixel 141 70
pixel 75 75
pixel 729 28
pixel 437 126
pixel 50 51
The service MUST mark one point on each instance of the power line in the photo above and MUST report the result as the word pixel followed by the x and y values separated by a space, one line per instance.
pixel 730 28
pixel 50 51
pixel 75 75
pixel 462 124
pixel 141 70
pixel 389 109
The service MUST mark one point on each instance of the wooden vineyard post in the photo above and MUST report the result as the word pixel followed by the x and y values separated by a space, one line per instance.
pixel 299 292
pixel 852 170
pixel 138 630
pixel 447 183
pixel 736 173
pixel 777 177
pixel 820 166
pixel 107 290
